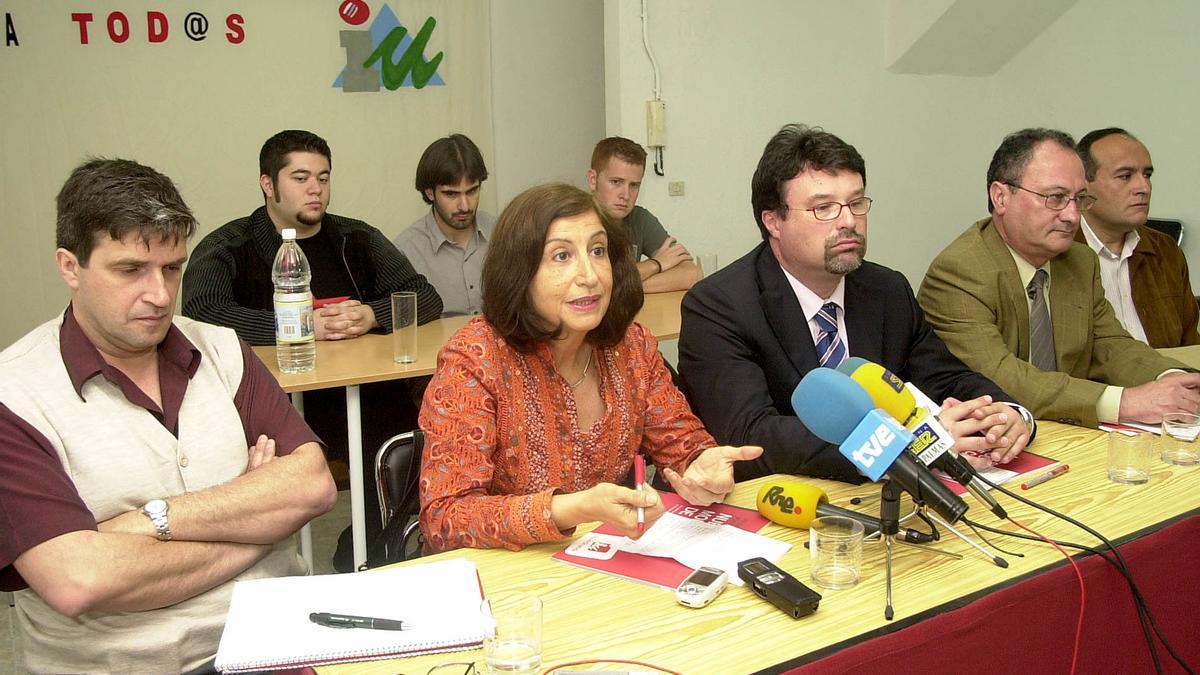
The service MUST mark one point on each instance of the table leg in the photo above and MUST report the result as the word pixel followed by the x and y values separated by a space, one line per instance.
pixel 358 521
pixel 306 543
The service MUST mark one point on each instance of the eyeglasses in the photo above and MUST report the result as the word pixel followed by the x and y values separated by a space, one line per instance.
pixel 1059 200
pixel 831 210
pixel 458 668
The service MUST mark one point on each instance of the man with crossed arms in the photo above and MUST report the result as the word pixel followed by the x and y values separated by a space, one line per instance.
pixel 129 501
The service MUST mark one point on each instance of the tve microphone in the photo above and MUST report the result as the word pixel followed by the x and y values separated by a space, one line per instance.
pixel 794 504
pixel 840 412
pixel 932 443
pixel 889 394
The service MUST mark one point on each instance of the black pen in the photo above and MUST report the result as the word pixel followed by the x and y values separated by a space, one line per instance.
pixel 348 621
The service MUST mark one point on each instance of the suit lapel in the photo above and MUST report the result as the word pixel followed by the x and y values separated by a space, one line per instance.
pixel 864 312
pixel 1012 291
pixel 783 312
pixel 1071 316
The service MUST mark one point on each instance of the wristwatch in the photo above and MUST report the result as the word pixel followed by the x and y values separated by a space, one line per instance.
pixel 156 511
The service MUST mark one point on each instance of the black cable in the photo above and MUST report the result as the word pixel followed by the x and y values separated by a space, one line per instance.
pixel 1143 609
pixel 989 542
pixel 1139 599
pixel 1120 563
pixel 933 531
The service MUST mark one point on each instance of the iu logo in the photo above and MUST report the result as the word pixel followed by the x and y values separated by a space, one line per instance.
pixel 385 53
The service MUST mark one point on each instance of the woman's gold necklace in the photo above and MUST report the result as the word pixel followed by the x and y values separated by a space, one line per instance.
pixel 585 371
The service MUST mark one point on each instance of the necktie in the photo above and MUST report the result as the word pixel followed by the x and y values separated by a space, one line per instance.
pixel 830 349
pixel 1041 331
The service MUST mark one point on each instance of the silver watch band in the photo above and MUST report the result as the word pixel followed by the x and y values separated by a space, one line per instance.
pixel 156 511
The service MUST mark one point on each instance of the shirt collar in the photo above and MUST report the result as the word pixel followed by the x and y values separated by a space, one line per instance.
pixel 1094 243
pixel 1025 269
pixel 83 361
pixel 810 302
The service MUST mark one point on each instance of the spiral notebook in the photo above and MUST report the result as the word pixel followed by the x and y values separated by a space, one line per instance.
pixel 268 625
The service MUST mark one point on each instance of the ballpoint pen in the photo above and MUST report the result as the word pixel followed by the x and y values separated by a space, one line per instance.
pixel 349 621
pixel 639 479
pixel 1054 473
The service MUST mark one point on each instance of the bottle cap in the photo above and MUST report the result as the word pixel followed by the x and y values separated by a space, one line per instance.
pixel 289 233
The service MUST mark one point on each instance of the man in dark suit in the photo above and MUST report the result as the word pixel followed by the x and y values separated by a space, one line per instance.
pixel 980 294
pixel 805 298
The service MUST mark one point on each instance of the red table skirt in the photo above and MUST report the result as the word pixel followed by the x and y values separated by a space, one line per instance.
pixel 1028 627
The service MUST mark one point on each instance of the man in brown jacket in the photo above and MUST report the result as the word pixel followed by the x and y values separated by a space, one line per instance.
pixel 1015 290
pixel 1145 275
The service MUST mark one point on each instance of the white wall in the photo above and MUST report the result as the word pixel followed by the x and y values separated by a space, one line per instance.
pixel 547 91
pixel 733 73
pixel 1133 65
pixel 200 111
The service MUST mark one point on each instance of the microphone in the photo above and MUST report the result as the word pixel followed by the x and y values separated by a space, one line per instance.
pixel 794 504
pixel 840 412
pixel 933 443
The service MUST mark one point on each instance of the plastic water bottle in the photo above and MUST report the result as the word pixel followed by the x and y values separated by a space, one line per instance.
pixel 295 343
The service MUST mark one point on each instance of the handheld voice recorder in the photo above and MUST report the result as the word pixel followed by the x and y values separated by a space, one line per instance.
pixel 701 587
pixel 778 587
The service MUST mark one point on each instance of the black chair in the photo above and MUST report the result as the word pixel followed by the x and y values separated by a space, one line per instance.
pixel 397 470
pixel 1171 228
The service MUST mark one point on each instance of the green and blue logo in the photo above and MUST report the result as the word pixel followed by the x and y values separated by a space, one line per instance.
pixel 385 54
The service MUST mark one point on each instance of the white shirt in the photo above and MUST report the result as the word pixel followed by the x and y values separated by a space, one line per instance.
pixel 811 303
pixel 1114 274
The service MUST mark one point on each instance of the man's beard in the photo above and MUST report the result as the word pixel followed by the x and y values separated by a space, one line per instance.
pixel 310 219
pixel 844 263
pixel 448 218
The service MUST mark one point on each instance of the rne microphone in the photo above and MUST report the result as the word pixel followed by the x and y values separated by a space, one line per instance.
pixel 932 443
pixel 839 411
pixel 794 504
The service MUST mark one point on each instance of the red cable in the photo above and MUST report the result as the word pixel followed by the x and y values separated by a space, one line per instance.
pixel 588 662
pixel 1082 591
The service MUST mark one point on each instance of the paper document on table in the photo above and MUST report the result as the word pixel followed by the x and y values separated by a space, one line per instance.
pixel 684 538
pixel 270 625
pixel 697 543
pixel 997 474
pixel 1129 428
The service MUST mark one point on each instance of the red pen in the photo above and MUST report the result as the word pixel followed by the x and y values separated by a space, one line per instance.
pixel 639 480
pixel 1054 473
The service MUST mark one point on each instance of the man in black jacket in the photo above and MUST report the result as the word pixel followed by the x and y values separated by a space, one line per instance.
pixel 805 298
pixel 355 269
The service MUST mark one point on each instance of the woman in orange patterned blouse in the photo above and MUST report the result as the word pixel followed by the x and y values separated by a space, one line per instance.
pixel 538 408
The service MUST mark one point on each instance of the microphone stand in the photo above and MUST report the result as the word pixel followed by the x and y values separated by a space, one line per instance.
pixel 932 515
pixel 889 521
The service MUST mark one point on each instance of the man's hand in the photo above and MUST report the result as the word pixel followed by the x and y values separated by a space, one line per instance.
pixel 985 433
pixel 261 453
pixel 671 253
pixel 343 320
pixel 709 478
pixel 1174 392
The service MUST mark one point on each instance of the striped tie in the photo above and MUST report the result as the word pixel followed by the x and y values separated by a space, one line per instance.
pixel 1041 331
pixel 830 349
